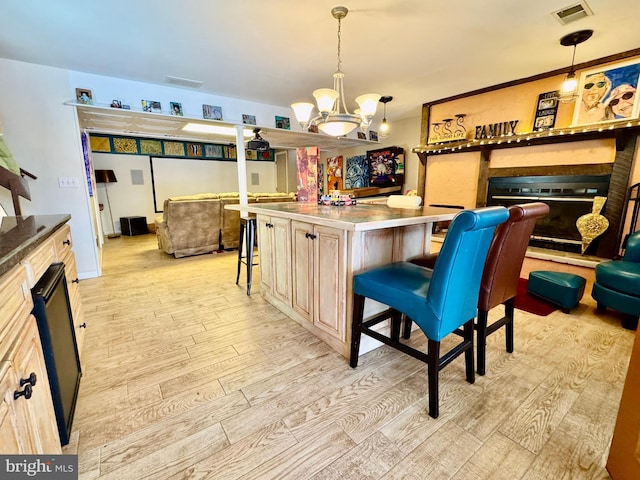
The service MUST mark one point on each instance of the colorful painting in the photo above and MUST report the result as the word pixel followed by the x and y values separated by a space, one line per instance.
pixel 307 171
pixel 321 179
pixel 334 173
pixel 84 95
pixel 175 149
pixel 125 145
pixel 283 122
pixel 608 94
pixel 357 175
pixel 248 119
pixel 176 108
pixel 151 106
pixel 212 112
pixel 386 166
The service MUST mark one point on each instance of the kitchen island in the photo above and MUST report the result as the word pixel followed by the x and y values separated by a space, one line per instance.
pixel 309 254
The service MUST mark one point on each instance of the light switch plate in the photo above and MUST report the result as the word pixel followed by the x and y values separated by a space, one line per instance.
pixel 68 182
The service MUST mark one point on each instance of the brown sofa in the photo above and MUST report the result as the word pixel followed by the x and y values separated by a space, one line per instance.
pixel 197 224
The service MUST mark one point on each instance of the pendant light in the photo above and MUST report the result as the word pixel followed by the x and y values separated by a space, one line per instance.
pixel 569 89
pixel 331 119
pixel 384 128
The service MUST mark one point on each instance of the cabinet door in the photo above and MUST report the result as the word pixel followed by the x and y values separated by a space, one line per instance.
pixel 281 244
pixel 11 431
pixel 38 410
pixel 266 253
pixel 329 272
pixel 302 268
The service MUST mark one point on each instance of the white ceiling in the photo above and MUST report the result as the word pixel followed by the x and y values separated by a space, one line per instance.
pixel 279 51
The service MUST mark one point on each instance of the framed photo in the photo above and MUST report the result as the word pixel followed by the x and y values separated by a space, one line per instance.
pixel 151 106
pixel 546 110
pixel 313 128
pixel 212 112
pixel 362 135
pixel 283 122
pixel 373 136
pixel 176 108
pixel 608 94
pixel 115 103
pixel 84 95
pixel 248 119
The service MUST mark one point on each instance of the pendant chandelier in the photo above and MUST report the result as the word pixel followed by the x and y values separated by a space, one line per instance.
pixel 569 89
pixel 331 119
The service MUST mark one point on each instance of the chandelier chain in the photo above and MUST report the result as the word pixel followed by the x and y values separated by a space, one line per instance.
pixel 339 41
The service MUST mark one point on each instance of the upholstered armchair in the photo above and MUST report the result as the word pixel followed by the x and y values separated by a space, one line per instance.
pixel 189 227
pixel 617 284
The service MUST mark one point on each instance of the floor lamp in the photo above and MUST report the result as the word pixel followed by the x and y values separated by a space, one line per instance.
pixel 107 177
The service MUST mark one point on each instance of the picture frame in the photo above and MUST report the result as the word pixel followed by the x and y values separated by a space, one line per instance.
pixel 283 122
pixel 152 106
pixel 546 110
pixel 84 95
pixel 362 135
pixel 176 109
pixel 373 136
pixel 115 103
pixel 212 112
pixel 248 119
pixel 608 94
pixel 313 128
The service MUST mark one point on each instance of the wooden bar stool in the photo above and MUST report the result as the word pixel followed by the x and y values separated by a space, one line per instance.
pixel 248 229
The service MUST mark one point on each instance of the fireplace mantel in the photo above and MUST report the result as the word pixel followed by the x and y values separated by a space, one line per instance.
pixel 621 130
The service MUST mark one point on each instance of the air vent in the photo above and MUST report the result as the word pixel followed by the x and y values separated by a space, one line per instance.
pixel 183 82
pixel 572 13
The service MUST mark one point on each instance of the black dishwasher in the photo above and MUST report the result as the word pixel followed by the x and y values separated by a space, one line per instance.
pixel 52 310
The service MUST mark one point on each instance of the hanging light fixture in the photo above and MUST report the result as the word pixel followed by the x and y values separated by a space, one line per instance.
pixel 331 120
pixel 569 89
pixel 384 128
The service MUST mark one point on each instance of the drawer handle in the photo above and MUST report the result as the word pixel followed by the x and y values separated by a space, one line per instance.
pixel 31 380
pixel 75 280
pixel 26 393
pixel 67 242
pixel 83 325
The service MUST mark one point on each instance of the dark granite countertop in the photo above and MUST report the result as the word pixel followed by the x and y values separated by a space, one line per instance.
pixel 19 236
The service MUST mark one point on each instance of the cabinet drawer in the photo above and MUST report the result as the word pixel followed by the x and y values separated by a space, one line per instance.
pixel 71 274
pixel 62 242
pixel 38 261
pixel 15 300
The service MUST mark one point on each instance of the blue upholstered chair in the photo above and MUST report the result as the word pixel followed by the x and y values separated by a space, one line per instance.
pixel 617 283
pixel 439 301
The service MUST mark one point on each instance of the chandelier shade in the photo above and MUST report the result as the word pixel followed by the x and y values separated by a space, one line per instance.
pixel 333 116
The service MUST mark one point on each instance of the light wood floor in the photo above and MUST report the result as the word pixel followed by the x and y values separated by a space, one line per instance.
pixel 187 377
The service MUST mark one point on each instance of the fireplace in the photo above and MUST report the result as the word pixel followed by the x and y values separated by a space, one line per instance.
pixel 568 196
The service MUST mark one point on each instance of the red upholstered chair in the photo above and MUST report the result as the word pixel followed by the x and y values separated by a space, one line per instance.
pixel 500 276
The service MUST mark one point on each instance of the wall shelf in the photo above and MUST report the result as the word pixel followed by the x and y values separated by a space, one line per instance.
pixel 620 130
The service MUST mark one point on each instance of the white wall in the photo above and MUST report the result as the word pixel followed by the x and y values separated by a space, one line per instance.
pixel 43 136
pixel 172 177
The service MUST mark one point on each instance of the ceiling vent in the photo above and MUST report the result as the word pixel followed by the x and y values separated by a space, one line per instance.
pixel 183 82
pixel 572 13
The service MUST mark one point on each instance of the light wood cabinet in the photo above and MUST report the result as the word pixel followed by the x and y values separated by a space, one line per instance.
pixel 319 276
pixel 27 425
pixel 63 248
pixel 274 240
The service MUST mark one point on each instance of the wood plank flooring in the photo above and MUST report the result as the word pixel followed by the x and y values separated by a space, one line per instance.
pixel 185 377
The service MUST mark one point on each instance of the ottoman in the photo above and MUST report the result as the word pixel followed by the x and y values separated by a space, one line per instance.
pixel 563 289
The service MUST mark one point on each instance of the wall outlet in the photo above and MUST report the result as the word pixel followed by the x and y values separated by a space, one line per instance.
pixel 68 182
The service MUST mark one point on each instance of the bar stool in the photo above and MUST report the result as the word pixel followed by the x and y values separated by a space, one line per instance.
pixel 248 229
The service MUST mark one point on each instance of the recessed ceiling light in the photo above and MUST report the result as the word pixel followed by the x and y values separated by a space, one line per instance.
pixel 216 129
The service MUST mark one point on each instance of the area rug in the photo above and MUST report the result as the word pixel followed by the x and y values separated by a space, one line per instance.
pixel 530 303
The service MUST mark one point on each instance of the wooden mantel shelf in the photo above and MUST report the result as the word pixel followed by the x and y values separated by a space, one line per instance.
pixel 621 130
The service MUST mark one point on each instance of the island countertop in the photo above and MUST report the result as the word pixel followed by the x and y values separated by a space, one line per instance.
pixel 19 236
pixel 354 217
